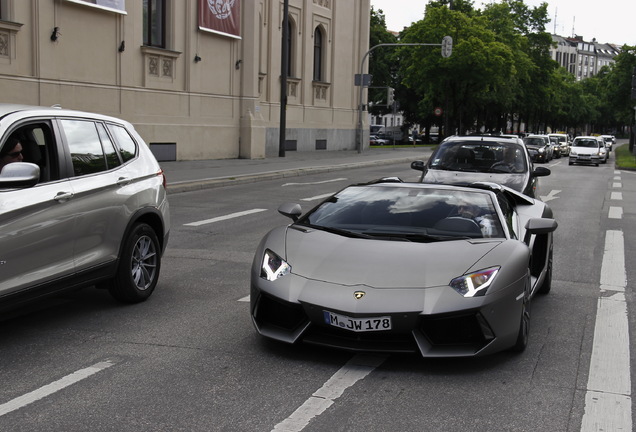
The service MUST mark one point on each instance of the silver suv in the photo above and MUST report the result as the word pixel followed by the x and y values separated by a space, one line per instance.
pixel 82 202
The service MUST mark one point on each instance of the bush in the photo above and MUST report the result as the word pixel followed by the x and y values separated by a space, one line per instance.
pixel 624 158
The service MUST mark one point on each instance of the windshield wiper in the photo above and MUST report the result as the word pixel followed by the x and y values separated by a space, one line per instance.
pixel 338 231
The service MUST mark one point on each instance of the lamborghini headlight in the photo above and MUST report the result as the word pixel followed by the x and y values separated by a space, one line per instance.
pixel 273 266
pixel 475 284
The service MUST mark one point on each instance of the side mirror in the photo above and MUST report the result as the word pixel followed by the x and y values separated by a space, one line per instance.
pixel 291 210
pixel 19 175
pixel 541 172
pixel 539 226
pixel 417 165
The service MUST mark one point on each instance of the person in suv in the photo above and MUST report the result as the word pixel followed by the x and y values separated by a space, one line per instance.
pixel 12 152
pixel 86 205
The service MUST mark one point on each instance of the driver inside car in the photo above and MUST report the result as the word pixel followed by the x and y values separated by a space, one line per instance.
pixel 474 212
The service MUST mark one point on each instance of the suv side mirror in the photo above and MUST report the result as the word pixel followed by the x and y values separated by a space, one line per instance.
pixel 417 165
pixel 19 175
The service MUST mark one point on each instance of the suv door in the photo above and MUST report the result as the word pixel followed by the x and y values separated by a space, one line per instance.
pixel 36 230
pixel 98 180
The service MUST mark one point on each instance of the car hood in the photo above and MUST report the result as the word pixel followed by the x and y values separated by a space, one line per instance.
pixel 533 147
pixel 332 258
pixel 584 150
pixel 514 181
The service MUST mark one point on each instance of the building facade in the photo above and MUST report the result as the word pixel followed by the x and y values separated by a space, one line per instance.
pixel 582 59
pixel 193 88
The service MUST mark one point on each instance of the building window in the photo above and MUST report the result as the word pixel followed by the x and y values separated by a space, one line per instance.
pixel 318 49
pixel 154 16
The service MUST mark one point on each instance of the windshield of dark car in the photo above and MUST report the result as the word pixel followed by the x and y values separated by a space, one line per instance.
pixel 534 141
pixel 414 214
pixel 480 156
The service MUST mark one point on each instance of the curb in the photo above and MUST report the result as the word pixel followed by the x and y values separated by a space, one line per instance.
pixel 214 182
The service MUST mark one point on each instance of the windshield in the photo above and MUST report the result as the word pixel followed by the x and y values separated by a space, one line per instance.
pixel 480 156
pixel 534 141
pixel 407 214
pixel 591 143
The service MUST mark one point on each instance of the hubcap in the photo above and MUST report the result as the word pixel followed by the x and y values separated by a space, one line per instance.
pixel 144 263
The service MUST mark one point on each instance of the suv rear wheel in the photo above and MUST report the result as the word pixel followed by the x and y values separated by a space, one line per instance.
pixel 139 266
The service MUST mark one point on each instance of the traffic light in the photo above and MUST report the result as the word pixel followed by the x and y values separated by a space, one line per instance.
pixel 390 96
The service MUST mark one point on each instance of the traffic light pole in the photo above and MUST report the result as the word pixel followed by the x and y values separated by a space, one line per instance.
pixel 447 46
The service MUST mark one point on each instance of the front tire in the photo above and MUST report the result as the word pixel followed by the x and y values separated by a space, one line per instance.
pixel 524 324
pixel 524 328
pixel 546 286
pixel 139 266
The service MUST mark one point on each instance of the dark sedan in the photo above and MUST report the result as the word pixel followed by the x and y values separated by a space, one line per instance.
pixel 538 148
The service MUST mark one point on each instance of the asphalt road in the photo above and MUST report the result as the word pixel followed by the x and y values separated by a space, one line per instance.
pixel 189 359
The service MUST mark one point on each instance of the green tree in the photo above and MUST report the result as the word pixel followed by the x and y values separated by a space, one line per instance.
pixel 381 63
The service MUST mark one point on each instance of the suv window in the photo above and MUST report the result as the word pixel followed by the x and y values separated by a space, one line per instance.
pixel 125 143
pixel 112 158
pixel 86 149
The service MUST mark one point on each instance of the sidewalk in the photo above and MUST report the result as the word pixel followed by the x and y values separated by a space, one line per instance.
pixel 184 176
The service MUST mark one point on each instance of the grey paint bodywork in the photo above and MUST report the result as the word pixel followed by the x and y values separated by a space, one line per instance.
pixel 407 280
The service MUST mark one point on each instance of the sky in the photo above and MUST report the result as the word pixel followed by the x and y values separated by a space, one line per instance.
pixel 609 21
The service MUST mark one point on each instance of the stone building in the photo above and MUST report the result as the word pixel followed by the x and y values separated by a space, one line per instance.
pixel 582 59
pixel 199 79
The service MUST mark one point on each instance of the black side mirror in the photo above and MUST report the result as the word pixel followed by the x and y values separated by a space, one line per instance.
pixel 417 165
pixel 541 172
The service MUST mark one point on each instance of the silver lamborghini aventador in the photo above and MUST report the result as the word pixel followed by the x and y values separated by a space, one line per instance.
pixel 406 267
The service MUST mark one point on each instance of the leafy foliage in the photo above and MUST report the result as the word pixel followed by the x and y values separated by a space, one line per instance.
pixel 499 74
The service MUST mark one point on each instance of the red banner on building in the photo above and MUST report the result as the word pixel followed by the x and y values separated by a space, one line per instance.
pixel 221 16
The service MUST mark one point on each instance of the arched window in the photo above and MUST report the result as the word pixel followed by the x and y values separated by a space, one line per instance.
pixel 318 48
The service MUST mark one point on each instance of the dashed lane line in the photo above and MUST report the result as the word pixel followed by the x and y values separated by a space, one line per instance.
pixel 53 387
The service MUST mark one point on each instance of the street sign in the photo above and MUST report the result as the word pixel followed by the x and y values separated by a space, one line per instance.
pixel 447 46
pixel 366 80
pixel 438 111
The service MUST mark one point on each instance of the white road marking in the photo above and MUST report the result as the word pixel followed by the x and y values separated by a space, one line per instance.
pixel 615 213
pixel 617 185
pixel 552 195
pixel 53 387
pixel 244 299
pixel 317 197
pixel 608 404
pixel 315 183
pixel 356 369
pixel 616 196
pixel 222 218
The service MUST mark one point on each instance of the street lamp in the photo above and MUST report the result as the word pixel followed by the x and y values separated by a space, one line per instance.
pixel 447 49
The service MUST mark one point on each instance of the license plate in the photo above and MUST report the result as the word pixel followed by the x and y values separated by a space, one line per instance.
pixel 367 324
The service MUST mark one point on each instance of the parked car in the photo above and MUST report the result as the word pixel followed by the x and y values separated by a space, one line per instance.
pixel 539 149
pixel 86 205
pixel 467 159
pixel 586 150
pixel 564 142
pixel 323 279
pixel 376 140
